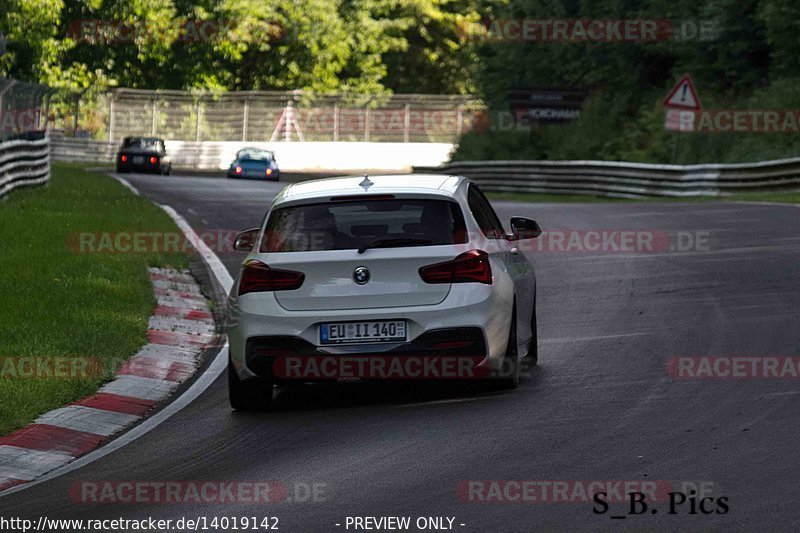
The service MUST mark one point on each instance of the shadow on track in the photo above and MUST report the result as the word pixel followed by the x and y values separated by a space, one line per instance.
pixel 355 394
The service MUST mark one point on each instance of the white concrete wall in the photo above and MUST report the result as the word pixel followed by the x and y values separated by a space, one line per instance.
pixel 316 156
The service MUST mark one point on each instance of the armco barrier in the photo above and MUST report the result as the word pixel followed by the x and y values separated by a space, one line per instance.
pixel 625 180
pixel 23 162
pixel 291 156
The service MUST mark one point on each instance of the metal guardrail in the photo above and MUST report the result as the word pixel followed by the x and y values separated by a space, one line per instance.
pixel 625 180
pixel 82 150
pixel 23 163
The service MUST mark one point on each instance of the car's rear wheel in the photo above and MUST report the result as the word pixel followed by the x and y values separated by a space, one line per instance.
pixel 250 395
pixel 510 368
pixel 533 350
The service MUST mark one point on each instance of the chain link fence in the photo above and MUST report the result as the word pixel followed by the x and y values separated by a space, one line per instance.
pixel 249 116
pixel 287 116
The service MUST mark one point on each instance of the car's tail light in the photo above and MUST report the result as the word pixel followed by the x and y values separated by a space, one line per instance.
pixel 238 170
pixel 154 160
pixel 269 171
pixel 258 277
pixel 469 267
pixel 123 158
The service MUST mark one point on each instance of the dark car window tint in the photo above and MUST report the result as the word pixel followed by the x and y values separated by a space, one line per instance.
pixel 350 225
pixel 484 213
pixel 145 144
pixel 254 155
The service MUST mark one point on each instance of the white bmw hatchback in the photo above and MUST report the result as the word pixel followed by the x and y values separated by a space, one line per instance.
pixel 397 276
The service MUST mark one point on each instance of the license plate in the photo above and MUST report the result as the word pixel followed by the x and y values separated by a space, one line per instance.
pixel 356 332
pixel 138 159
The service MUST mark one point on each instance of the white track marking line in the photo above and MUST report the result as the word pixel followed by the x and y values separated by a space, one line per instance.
pixel 181 303
pixel 161 351
pixel 139 387
pixel 180 325
pixel 87 419
pixel 214 370
pixel 176 286
pixel 26 464
pixel 219 270
pixel 127 185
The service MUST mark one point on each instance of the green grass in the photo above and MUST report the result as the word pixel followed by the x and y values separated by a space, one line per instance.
pixel 61 303
pixel 791 197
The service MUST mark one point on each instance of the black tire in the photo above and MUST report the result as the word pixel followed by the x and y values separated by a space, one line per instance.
pixel 251 395
pixel 533 350
pixel 121 170
pixel 169 169
pixel 510 368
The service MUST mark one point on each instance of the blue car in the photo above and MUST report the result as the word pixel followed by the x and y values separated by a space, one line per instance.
pixel 255 163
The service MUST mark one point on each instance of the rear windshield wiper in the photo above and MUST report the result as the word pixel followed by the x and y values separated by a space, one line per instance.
pixel 388 243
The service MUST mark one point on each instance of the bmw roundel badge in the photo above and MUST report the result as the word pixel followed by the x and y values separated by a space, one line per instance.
pixel 361 275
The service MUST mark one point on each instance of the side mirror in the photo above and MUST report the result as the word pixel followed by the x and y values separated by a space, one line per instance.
pixel 246 240
pixel 524 228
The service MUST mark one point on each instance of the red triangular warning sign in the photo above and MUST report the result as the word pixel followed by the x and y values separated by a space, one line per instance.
pixel 684 95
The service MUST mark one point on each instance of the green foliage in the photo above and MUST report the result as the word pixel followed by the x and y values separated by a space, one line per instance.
pixel 433 55
pixel 741 53
pixel 354 46
pixel 748 59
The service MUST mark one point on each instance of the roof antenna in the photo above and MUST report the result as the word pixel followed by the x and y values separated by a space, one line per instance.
pixel 366 183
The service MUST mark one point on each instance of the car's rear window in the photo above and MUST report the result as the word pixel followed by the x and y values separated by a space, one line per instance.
pixel 254 155
pixel 356 224
pixel 139 142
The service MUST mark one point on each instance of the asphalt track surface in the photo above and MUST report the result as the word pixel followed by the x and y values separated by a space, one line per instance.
pixel 600 406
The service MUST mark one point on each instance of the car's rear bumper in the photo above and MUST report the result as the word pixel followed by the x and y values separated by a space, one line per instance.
pixel 275 176
pixel 260 328
pixel 145 168
pixel 459 353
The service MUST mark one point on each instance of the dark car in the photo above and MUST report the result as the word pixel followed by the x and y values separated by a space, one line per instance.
pixel 143 154
pixel 255 163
